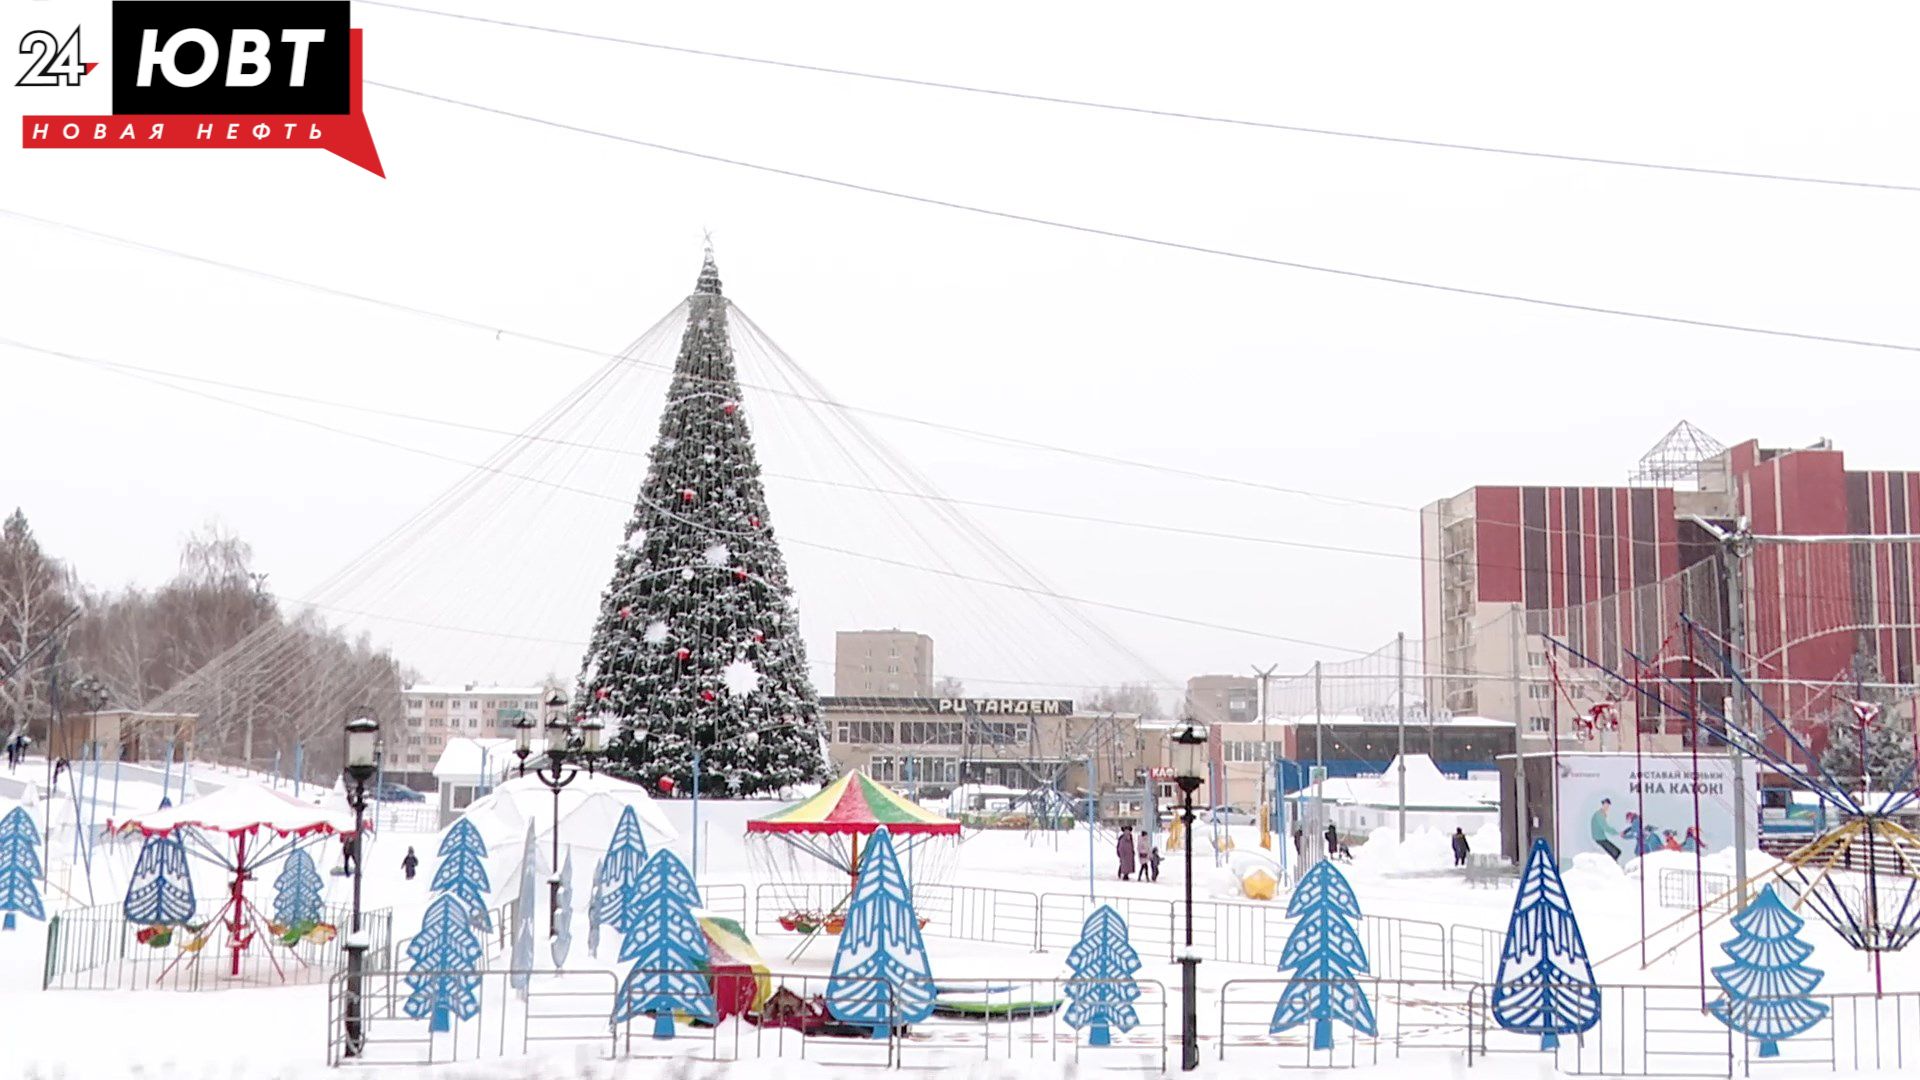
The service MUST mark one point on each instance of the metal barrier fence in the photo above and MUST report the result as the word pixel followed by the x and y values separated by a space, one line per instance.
pixel 726 900
pixel 1652 1031
pixel 1473 954
pixel 1006 1019
pixel 497 940
pixel 1683 890
pixel 96 948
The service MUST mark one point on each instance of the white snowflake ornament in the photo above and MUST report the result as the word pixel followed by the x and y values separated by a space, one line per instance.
pixel 741 678
pixel 656 632
pixel 717 556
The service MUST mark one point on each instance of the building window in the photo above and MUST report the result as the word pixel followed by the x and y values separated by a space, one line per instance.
pixel 1537 691
pixel 865 731
pixel 473 721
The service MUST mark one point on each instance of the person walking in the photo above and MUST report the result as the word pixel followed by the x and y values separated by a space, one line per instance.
pixel 1603 830
pixel 349 853
pixel 1124 849
pixel 1333 841
pixel 1300 842
pixel 410 863
pixel 1460 847
pixel 1153 863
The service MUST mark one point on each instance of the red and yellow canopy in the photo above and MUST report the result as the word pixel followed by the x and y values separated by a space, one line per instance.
pixel 856 805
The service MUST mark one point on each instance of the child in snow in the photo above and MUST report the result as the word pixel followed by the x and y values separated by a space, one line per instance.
pixel 410 863
pixel 1153 864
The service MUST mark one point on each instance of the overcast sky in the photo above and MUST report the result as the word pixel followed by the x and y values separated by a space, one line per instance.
pixel 1358 389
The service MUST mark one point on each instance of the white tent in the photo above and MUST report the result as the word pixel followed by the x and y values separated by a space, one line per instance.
pixel 590 807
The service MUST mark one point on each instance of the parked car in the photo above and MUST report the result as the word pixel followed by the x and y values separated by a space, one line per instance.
pixel 1230 815
pixel 397 793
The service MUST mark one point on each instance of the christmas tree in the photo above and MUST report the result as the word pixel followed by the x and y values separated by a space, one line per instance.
pixel 626 854
pixel 667 947
pixel 880 972
pixel 462 872
pixel 1765 988
pixel 296 892
pixel 161 892
pixel 1102 989
pixel 1872 721
pixel 444 953
pixel 697 646
pixel 19 865
pixel 1326 957
pixel 1545 983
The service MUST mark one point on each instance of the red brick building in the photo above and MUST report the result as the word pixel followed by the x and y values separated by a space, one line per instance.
pixel 1610 570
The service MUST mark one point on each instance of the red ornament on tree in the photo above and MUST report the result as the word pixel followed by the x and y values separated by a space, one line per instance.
pixel 706 695
pixel 729 407
pixel 600 694
pixel 683 652
pixel 686 495
pixel 754 521
pixel 759 635
pixel 740 575
pixel 666 783
pixel 626 613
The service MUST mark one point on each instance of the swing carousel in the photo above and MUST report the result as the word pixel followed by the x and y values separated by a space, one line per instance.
pixel 1861 877
pixel 242 829
pixel 831 828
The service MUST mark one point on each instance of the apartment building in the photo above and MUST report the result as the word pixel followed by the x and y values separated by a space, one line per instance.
pixel 882 663
pixel 435 714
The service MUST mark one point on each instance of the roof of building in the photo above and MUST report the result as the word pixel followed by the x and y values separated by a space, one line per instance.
pixel 1384 718
pixel 476 688
pixel 470 759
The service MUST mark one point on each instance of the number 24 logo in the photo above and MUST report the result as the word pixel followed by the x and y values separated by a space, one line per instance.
pixel 54 63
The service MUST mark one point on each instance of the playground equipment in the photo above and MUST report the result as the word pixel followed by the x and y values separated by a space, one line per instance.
pixel 242 829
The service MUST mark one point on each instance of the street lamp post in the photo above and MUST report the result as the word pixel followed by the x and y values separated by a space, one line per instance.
pixel 1189 758
pixel 363 740
pixel 556 774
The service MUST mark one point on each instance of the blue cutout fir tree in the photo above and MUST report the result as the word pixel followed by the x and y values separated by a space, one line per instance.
pixel 626 855
pixel 881 949
pixel 444 953
pixel 1765 990
pixel 19 865
pixel 522 973
pixel 667 947
pixel 1327 959
pixel 161 892
pixel 563 927
pixel 1545 984
pixel 1103 953
pixel 462 872
pixel 296 892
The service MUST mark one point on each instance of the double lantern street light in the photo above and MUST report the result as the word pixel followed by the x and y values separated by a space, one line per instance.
pixel 1189 771
pixel 564 740
pixel 363 749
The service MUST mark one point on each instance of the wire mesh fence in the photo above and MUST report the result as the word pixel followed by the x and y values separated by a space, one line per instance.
pixel 96 948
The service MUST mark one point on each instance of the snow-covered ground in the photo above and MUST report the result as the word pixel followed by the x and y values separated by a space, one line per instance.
pixel 281 1031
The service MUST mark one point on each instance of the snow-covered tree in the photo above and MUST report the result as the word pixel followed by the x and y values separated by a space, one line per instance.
pixel 619 868
pixel 881 976
pixel 1876 721
pixel 1765 991
pixel 19 865
pixel 667 947
pixel 161 892
pixel 1326 957
pixel 1545 983
pixel 296 892
pixel 697 645
pixel 1103 989
pixel 462 872
pixel 443 983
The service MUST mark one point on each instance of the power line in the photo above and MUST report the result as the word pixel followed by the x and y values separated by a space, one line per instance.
pixel 603 354
pixel 815 545
pixel 1152 241
pixel 1139 110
